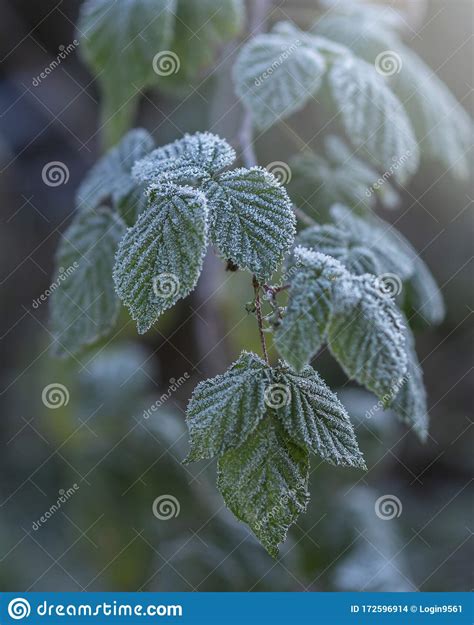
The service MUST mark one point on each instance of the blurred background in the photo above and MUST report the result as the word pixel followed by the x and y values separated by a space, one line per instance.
pixel 103 458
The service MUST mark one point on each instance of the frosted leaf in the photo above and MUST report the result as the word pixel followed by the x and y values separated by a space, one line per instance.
pixel 192 158
pixel 225 410
pixel 265 483
pixel 314 417
pixel 160 258
pixel 335 242
pixel 366 336
pixel 373 118
pixel 442 126
pixel 252 220
pixel 410 402
pixel 424 297
pixel 303 329
pixel 201 27
pixel 84 306
pixel 111 177
pixel 371 245
pixel 277 73
pixel 396 254
pixel 119 41
pixel 363 245
pixel 338 176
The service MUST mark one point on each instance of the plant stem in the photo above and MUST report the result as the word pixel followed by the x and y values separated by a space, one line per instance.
pixel 249 158
pixel 258 312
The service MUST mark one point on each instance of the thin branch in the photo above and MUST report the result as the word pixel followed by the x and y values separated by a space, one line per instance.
pixel 257 22
pixel 258 312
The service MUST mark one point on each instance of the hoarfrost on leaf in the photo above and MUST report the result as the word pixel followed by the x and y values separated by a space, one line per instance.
pixel 225 410
pixel 84 307
pixel 191 158
pixel 338 176
pixel 252 219
pixel 363 245
pixel 303 329
pixel 410 403
pixel 277 73
pixel 366 336
pixel 160 258
pixel 314 417
pixel 373 118
pixel 442 126
pixel 111 177
pixel 265 483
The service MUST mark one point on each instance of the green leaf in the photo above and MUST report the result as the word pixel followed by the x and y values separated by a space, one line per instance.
pixel 193 158
pixel 394 254
pixel 261 422
pixel 371 245
pixel 277 73
pixel 373 118
pixel 442 126
pixel 265 483
pixel 363 245
pixel 425 301
pixel 314 417
pixel 119 41
pixel 84 306
pixel 410 402
pixel 252 220
pixel 335 242
pixel 338 176
pixel 111 177
pixel 160 258
pixel 366 336
pixel 303 329
pixel 201 27
pixel 225 410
